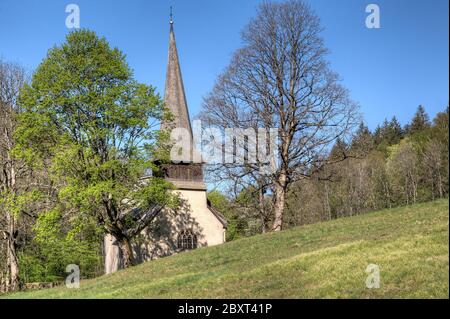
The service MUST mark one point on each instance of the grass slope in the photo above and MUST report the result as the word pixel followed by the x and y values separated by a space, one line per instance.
pixel 325 260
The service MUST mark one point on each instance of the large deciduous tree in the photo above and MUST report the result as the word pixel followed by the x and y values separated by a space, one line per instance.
pixel 280 79
pixel 100 129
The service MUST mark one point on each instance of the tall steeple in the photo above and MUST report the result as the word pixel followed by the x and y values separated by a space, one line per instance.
pixel 174 96
pixel 186 173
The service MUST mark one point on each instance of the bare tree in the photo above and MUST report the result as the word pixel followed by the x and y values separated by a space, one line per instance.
pixel 12 78
pixel 432 160
pixel 280 79
pixel 404 172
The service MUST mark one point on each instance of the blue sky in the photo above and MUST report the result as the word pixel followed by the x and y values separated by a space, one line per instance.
pixel 389 71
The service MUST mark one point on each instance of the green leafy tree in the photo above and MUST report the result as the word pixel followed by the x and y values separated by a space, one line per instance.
pixel 236 225
pixel 100 129
pixel 58 242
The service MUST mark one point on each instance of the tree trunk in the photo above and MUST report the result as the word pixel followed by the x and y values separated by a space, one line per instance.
pixel 11 279
pixel 263 225
pixel 327 198
pixel 280 199
pixel 118 253
pixel 440 184
pixel 262 212
pixel 112 254
pixel 13 267
pixel 13 282
pixel 127 252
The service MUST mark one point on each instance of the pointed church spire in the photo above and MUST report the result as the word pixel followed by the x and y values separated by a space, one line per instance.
pixel 174 96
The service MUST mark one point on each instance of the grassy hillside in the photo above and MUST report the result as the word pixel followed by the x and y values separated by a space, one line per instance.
pixel 325 260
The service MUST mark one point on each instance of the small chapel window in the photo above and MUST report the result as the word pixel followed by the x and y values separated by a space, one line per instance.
pixel 187 240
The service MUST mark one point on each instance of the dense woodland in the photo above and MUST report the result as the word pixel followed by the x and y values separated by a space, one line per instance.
pixel 78 134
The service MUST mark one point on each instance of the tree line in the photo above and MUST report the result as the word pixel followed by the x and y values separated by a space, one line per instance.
pixel 388 167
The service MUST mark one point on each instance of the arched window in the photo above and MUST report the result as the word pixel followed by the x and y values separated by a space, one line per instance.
pixel 187 240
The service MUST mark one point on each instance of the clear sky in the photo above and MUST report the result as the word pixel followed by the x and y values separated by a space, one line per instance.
pixel 389 71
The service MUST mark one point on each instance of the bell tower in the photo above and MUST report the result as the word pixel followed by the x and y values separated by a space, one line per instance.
pixel 206 224
pixel 184 174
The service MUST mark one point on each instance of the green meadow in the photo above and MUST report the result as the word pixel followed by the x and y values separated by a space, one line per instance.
pixel 324 260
